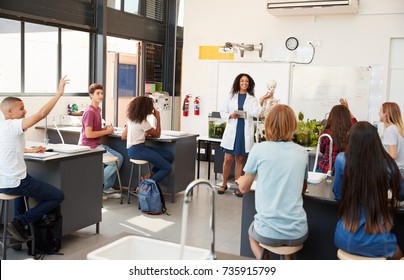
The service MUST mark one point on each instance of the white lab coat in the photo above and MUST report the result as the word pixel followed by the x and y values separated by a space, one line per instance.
pixel 253 109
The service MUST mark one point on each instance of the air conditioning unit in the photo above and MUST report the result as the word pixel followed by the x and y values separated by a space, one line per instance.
pixel 311 7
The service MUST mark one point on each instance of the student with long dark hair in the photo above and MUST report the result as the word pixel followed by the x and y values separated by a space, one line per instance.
pixel 136 131
pixel 363 176
pixel 337 126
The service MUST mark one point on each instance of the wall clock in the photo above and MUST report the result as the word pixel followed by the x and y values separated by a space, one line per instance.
pixel 291 43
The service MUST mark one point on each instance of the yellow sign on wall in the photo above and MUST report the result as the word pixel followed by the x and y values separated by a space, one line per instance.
pixel 215 53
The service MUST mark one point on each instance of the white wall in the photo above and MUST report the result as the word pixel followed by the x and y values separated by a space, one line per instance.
pixel 345 40
pixel 33 104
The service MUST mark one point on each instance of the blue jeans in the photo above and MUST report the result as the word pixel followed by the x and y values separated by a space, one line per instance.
pixel 110 168
pixel 161 159
pixel 47 196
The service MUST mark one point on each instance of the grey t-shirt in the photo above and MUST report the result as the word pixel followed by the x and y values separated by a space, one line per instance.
pixel 392 137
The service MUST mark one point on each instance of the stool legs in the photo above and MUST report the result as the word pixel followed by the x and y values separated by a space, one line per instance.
pixel 129 185
pixel 31 227
pixel 4 214
pixel 139 179
pixel 119 180
pixel 265 255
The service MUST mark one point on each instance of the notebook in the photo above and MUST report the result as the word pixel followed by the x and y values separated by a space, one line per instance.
pixel 40 155
pixel 173 133
pixel 68 148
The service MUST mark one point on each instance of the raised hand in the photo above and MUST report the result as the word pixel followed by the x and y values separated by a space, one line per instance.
pixel 62 83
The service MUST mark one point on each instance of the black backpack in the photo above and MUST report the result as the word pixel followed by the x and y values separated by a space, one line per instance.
pixel 48 235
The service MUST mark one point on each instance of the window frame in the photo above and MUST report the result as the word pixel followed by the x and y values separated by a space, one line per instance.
pixel 90 71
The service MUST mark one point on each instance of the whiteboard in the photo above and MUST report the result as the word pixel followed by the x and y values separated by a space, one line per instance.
pixel 261 72
pixel 316 89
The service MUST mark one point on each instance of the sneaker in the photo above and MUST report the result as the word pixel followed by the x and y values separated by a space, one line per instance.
pixel 109 191
pixel 113 195
pixel 16 229
pixel 104 197
pixel 15 244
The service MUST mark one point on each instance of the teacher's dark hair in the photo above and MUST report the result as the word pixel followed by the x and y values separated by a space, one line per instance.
pixel 236 84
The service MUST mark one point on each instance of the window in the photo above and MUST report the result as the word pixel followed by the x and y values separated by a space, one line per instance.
pixel 75 59
pixel 115 4
pixel 155 9
pixel 34 66
pixel 180 11
pixel 41 60
pixel 132 6
pixel 10 56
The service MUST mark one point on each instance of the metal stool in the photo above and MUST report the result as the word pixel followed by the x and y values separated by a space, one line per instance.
pixel 5 199
pixel 282 251
pixel 342 255
pixel 139 162
pixel 109 159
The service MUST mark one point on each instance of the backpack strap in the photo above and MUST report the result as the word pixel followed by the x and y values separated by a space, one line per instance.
pixel 163 201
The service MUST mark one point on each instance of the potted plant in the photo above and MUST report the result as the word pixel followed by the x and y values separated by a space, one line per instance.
pixel 307 132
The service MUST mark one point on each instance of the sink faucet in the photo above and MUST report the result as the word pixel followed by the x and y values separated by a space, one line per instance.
pixel 46 137
pixel 187 200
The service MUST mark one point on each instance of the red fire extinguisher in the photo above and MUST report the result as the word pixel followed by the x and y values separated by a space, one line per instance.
pixel 196 106
pixel 185 106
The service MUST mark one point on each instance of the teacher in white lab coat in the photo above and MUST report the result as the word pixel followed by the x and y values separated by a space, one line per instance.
pixel 238 137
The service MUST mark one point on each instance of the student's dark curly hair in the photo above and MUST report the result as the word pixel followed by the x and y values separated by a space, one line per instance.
pixel 139 108
pixel 236 84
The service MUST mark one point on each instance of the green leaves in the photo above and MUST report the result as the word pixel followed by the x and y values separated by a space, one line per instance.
pixel 307 132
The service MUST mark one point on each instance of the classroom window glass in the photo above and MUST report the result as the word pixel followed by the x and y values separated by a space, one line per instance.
pixel 180 18
pixel 132 6
pixel 115 4
pixel 41 59
pixel 10 55
pixel 155 9
pixel 76 59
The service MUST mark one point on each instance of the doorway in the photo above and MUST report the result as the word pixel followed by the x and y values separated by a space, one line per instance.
pixel 123 76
